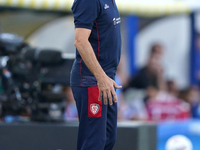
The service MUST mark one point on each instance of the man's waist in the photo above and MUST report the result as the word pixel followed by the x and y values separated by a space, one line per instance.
pixel 91 80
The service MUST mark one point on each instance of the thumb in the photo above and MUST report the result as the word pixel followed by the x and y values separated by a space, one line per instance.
pixel 117 86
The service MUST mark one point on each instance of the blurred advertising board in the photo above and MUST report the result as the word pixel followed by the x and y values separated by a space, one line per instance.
pixel 190 129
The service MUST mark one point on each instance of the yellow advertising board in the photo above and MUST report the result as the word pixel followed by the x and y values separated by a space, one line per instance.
pixel 136 7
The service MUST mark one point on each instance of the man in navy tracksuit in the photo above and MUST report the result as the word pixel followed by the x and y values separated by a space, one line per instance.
pixel 98 43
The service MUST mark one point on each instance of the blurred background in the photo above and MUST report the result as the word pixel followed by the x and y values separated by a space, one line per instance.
pixel 159 68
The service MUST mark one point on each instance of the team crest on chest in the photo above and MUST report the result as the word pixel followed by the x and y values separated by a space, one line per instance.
pixel 94 108
pixel 106 6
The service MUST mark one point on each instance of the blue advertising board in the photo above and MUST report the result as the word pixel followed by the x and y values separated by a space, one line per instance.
pixel 190 129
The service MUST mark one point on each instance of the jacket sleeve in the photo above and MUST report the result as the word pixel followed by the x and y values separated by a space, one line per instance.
pixel 85 12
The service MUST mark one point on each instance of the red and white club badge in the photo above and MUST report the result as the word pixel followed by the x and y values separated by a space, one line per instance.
pixel 94 108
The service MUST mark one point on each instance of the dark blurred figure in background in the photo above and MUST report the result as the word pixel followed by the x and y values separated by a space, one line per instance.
pixel 186 95
pixel 128 109
pixel 160 96
pixel 191 96
pixel 70 113
pixel 152 72
pixel 172 88
pixel 150 77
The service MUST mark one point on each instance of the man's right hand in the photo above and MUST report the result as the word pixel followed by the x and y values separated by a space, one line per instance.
pixel 107 87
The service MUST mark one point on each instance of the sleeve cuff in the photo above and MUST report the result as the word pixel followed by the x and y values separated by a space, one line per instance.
pixel 87 26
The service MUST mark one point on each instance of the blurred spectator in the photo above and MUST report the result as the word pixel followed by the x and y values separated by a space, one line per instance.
pixel 162 105
pixel 70 112
pixel 152 72
pixel 172 88
pixel 132 106
pixel 122 72
pixel 191 95
pixel 153 93
pixel 196 102
pixel 161 101
pixel 186 95
pixel 123 108
pixel 128 109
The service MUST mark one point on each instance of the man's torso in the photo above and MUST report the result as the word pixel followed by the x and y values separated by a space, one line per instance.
pixel 105 39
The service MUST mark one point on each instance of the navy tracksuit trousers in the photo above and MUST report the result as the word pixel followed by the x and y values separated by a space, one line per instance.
pixel 97 122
